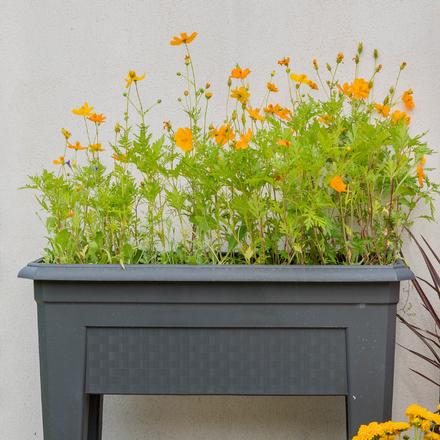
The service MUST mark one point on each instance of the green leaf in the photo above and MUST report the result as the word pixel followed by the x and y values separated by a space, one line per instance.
pixel 62 238
pixel 232 243
pixel 127 251
pixel 99 238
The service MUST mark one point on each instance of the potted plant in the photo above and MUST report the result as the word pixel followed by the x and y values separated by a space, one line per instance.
pixel 256 256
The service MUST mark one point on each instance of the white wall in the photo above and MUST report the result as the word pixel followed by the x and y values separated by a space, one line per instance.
pixel 55 55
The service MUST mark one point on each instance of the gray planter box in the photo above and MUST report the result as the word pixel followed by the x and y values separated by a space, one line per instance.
pixel 237 330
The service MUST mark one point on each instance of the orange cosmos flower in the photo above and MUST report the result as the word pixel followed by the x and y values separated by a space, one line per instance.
pixel 345 89
pixel 77 146
pixel 271 87
pixel 255 114
pixel 65 133
pixel 97 118
pixel 120 157
pixel 70 214
pixel 223 135
pixel 283 113
pixel 398 115
pixel 360 88
pixel 85 110
pixel 299 78
pixel 59 162
pixel 283 143
pixel 338 184
pixel 423 160
pixel 132 77
pixel 95 147
pixel 272 108
pixel 176 41
pixel 79 188
pixel 243 142
pixel 284 61
pixel 312 85
pixel 408 99
pixel 241 94
pixel 326 119
pixel 239 74
pixel 420 174
pixel 184 139
pixel 383 110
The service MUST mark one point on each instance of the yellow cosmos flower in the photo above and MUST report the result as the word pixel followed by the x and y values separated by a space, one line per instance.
pixel 243 142
pixel 85 110
pixel 255 114
pixel 184 139
pixel 338 184
pixel 299 78
pixel 176 41
pixel 77 146
pixel 132 77
pixel 271 87
pixel 95 147
pixel 431 436
pixel 241 94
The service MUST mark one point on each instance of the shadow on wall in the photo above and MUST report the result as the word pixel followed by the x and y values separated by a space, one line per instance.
pixel 224 418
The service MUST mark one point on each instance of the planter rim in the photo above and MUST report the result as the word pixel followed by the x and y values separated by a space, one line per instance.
pixel 215 273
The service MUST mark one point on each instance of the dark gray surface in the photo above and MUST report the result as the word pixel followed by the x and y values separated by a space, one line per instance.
pixel 70 313
pixel 210 273
pixel 216 361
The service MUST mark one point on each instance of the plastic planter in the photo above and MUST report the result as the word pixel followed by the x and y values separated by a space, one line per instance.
pixel 238 330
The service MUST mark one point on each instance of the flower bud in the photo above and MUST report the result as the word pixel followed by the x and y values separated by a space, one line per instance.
pixel 229 82
pixel 124 94
pixel 243 119
pixel 201 90
pixel 339 58
pixel 142 183
pixel 185 92
pixel 117 128
pixel 288 70
pixel 297 85
pixel 159 101
pixel 356 59
pixel 360 48
pixel 392 90
pixel 402 66
pixel 378 68
pixel 207 86
pixel 370 84
pixel 234 115
pixel 178 74
pixel 208 95
pixel 375 53
pixel 329 67
pixel 179 99
pixel 273 73
pixel 348 149
pixel 386 100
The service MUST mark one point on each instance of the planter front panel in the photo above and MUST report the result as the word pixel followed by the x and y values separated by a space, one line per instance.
pixel 216 361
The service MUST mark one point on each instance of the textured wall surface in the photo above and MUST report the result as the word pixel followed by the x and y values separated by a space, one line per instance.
pixel 55 55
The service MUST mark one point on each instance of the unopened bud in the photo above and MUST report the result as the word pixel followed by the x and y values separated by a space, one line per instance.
pixel 234 115
pixel 207 86
pixel 297 86
pixel 185 92
pixel 386 100
pixel 124 94
pixel 273 73
pixel 329 68
pixel 360 48
pixel 288 70
pixel 229 82
pixel 356 59
pixel 159 101
pixel 375 53
pixel 117 128
pixel 348 149
pixel 339 58
pixel 402 66
pixel 179 99
pixel 392 90
pixel 178 74
pixel 370 84
pixel 378 68
pixel 201 90
pixel 243 119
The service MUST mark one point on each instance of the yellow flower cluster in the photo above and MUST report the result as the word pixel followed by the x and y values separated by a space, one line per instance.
pixel 385 430
pixel 419 416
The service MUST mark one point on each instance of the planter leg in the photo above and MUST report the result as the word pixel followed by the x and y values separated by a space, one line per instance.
pixel 370 372
pixel 93 416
